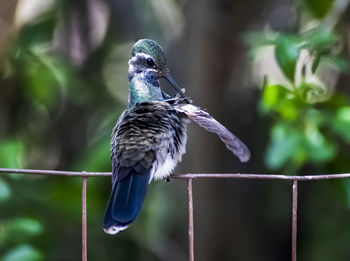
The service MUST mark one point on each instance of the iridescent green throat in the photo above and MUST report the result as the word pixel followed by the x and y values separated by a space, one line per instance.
pixel 142 89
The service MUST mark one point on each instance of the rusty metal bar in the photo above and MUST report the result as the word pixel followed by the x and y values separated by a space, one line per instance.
pixel 83 220
pixel 294 220
pixel 56 172
pixel 190 220
pixel 261 176
pixel 184 176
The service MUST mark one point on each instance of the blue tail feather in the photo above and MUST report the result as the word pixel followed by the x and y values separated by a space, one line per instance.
pixel 125 201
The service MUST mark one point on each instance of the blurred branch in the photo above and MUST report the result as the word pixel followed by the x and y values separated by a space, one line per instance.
pixel 337 11
pixel 7 12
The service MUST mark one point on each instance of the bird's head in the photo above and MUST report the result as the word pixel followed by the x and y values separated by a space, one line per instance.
pixel 147 56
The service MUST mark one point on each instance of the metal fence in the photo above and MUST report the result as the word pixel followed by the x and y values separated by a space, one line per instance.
pixel 190 177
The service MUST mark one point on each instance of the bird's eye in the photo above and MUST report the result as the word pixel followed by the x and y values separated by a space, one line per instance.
pixel 150 62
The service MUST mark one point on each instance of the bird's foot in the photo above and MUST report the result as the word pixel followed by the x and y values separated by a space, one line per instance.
pixel 167 179
pixel 177 98
pixel 177 95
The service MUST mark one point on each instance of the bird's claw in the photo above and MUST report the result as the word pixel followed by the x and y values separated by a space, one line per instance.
pixel 177 98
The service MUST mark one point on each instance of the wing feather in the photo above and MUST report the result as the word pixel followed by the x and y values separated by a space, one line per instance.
pixel 206 121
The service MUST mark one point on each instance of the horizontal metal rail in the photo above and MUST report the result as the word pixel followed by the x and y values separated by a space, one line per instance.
pixel 184 176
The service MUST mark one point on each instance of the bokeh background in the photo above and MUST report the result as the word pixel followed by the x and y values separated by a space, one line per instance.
pixel 274 72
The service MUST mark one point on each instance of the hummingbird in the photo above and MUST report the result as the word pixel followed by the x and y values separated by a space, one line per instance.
pixel 150 136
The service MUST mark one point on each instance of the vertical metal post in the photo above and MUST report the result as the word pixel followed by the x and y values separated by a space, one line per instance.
pixel 294 220
pixel 83 219
pixel 190 220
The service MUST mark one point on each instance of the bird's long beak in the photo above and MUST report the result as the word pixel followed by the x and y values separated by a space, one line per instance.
pixel 177 88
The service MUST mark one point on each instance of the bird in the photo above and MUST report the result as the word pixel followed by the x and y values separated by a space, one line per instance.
pixel 150 136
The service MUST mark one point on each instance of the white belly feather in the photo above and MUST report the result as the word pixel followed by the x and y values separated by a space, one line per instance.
pixel 165 168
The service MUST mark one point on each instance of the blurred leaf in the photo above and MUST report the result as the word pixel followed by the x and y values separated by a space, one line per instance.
pixel 285 142
pixel 42 75
pixel 318 40
pixel 39 31
pixel 286 54
pixel 319 149
pixel 316 117
pixel 11 154
pixel 337 61
pixel 316 63
pixel 258 39
pixel 281 100
pixel 341 123
pixel 319 8
pixel 22 253
pixel 288 110
pixel 41 84
pixel 336 102
pixel 5 191
pixel 273 94
pixel 25 227
pixel 311 92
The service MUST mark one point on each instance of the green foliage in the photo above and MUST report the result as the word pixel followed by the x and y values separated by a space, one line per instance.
pixel 24 227
pixel 11 153
pixel 11 156
pixel 306 116
pixel 5 191
pixel 309 121
pixel 284 101
pixel 36 89
pixel 341 123
pixel 285 143
pixel 59 115
pixel 287 53
pixel 319 8
pixel 20 230
pixel 22 253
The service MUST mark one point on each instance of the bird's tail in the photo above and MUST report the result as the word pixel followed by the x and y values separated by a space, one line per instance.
pixel 125 201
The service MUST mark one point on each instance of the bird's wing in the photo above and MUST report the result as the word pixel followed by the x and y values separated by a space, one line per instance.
pixel 210 124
